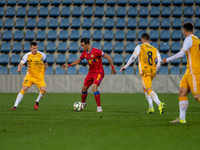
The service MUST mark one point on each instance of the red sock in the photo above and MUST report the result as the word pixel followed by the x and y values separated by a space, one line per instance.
pixel 97 98
pixel 84 96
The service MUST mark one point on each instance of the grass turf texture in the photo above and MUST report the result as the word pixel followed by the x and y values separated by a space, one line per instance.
pixel 124 123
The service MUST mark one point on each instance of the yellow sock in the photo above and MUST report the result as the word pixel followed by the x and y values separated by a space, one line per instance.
pixel 22 92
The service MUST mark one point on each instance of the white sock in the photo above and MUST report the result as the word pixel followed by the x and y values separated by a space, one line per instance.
pixel 149 100
pixel 18 99
pixel 40 96
pixel 183 105
pixel 154 97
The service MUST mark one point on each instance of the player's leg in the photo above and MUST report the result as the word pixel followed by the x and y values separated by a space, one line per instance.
pixel 149 100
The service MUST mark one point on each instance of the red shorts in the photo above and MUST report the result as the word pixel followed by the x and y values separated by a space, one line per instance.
pixel 93 78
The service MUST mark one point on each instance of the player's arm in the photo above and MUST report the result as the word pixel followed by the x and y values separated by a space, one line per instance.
pixel 20 66
pixel 111 63
pixel 158 61
pixel 45 66
pixel 72 64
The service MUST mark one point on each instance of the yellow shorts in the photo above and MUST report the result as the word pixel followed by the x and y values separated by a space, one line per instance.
pixel 29 81
pixel 191 82
pixel 147 81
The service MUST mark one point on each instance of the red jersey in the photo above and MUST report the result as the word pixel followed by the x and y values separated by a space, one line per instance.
pixel 94 60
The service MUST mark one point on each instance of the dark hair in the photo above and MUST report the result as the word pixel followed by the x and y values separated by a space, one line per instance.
pixel 145 36
pixel 188 26
pixel 33 43
pixel 85 40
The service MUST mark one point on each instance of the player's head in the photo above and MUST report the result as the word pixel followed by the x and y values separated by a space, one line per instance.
pixel 188 28
pixel 145 38
pixel 85 44
pixel 33 47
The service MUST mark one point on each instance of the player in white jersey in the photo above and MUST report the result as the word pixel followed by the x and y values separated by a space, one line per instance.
pixel 191 78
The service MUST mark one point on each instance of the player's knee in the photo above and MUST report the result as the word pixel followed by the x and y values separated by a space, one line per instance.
pixel 94 88
pixel 84 89
pixel 43 90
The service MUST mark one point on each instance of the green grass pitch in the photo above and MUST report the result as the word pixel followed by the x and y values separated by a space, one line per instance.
pixel 123 124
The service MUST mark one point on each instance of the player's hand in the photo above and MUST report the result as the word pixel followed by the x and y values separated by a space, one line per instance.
pixel 122 69
pixel 114 71
pixel 65 66
pixel 19 70
pixel 164 61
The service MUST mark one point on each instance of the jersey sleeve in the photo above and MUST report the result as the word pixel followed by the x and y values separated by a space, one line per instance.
pixel 100 53
pixel 82 56
pixel 137 50
pixel 44 58
pixel 24 58
pixel 187 44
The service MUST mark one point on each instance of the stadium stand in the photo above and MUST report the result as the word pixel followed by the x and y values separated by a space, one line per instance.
pixel 24 70
pixel 15 59
pixel 41 46
pixel 59 70
pixel 49 70
pixel 62 47
pixel 3 70
pixel 9 23
pixel 13 70
pixel 73 47
pixel 20 23
pixel 4 59
pixel 129 70
pixel 87 23
pixel 97 45
pixel 107 70
pixel 71 70
pixel 107 47
pixel 61 59
pixel 83 70
pixel 17 47
pixel 98 23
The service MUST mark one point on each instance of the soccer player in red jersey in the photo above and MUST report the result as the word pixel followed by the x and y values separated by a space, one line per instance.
pixel 96 72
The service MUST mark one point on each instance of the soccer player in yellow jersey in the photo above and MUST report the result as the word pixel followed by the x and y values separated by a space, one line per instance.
pixel 191 78
pixel 147 70
pixel 36 62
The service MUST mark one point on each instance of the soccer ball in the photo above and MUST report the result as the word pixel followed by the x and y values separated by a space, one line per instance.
pixel 78 106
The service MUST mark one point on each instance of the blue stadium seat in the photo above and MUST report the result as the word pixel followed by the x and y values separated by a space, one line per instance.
pixel 51 47
pixel 7 35
pixel 76 23
pixel 10 12
pixel 1 23
pixel 177 23
pixel 61 59
pixel 128 56
pixel 107 47
pixel 75 35
pixel 131 35
pixel 155 12
pixel 21 12
pixel 117 69
pixel 78 2
pixel 111 2
pixel 105 61
pixel 98 23
pixel 133 2
pixel 55 2
pixel 184 60
pixel 100 2
pixel 154 44
pixel 140 33
pixel 52 35
pixel 132 23
pixel 163 70
pixel 5 47
pixel 121 11
pixel 97 35
pixel 50 58
pixel 2 2
pixel 176 35
pixel 17 47
pixel 65 12
pixel 183 70
pixel 197 23
pixel 32 12
pixel 31 23
pixel 86 34
pixel 13 70
pixel 88 12
pixel 99 12
pixel 62 47
pixel 129 70
pixel 164 56
pixel 109 23
pixel 119 47
pixel 67 2
pixel 71 70
pixel 197 2
pixel 63 35
pixel 44 2
pixel 20 23
pixel 53 23
pixel 41 46
pixel 1 11
pixel 107 69
pixel 188 20
pixel 188 12
pixel 73 47
pixel 164 47
pixel 130 46
pixel 9 23
pixel 166 2
pixel 121 23
pixel 144 12
pixel 27 47
pixel 154 35
pixel 49 70
pixel 54 12
pixel 59 70
pixel 77 12
pixel 118 59
pixel 87 23
pixel 155 2
pixel 30 35
pixel 110 11
pixel 144 2
pixel 4 59
pixel 83 70
pixel 197 33
pixel 143 23
pixel 89 2
pixel 188 2
pixel 97 45
pixel 197 12
pixel 176 47
pixel 122 2
pixel 108 35
pixel 132 12
pixel 15 59
pixel 64 23
pixel 165 23
pixel 165 35
pixel 154 23
pixel 11 2
pixel 42 23
pixel 177 11
pixel 3 70
pixel 166 11
pixel 33 2
pixel 175 70
pixel 177 2
pixel 24 70
pixel 72 58
pixel 120 35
